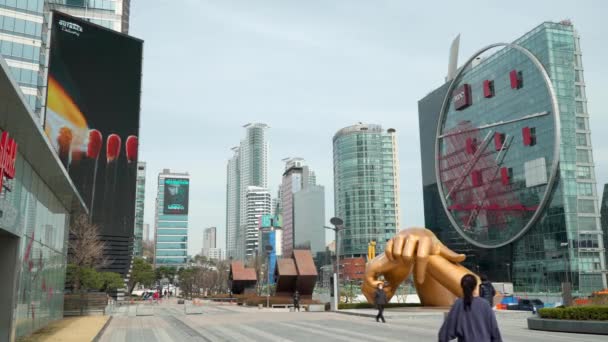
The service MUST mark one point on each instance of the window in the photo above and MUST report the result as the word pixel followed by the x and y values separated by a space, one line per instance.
pixel 585 189
pixel 581 139
pixel 583 172
pixel 586 206
pixel 587 223
pixel 582 156
pixel 580 107
pixel 581 123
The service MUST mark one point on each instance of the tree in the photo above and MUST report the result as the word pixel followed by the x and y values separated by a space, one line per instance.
pixel 85 254
pixel 141 273
pixel 110 281
pixel 148 249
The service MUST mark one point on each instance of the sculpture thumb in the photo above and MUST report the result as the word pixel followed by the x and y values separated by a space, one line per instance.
pixel 451 255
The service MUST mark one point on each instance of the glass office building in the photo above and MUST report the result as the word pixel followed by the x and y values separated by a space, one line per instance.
pixel 171 219
pixel 112 14
pixel 35 206
pixel 497 166
pixel 366 186
pixel 21 26
pixel 140 197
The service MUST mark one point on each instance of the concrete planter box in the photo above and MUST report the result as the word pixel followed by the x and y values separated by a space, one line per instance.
pixel 316 308
pixel 564 325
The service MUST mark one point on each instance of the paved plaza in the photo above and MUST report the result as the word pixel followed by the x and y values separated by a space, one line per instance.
pixel 215 322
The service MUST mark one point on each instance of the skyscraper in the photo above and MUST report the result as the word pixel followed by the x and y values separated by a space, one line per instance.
pixel 140 196
pixel 526 209
pixel 309 220
pixel 171 226
pixel 257 202
pixel 297 176
pixel 247 167
pixel 22 24
pixel 209 239
pixel 366 186
pixel 113 14
pixel 604 218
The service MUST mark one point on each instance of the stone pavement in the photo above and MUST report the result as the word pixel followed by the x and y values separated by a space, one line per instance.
pixel 170 322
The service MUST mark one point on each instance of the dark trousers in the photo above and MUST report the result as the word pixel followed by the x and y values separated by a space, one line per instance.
pixel 380 314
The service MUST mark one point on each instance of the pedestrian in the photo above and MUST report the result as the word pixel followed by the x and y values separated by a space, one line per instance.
pixel 380 301
pixel 486 290
pixel 296 301
pixel 155 296
pixel 470 318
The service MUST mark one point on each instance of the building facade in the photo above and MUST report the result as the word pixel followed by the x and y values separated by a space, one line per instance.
pixel 140 197
pixel 366 186
pixel 309 218
pixel 247 167
pixel 297 176
pixel 209 239
pixel 21 27
pixel 604 218
pixel 257 202
pixel 112 14
pixel 37 198
pixel 171 219
pixel 519 213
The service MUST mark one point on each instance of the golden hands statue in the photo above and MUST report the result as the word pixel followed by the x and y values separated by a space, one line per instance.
pixel 436 268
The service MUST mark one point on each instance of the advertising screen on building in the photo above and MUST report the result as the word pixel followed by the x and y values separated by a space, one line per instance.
pixel 176 196
pixel 92 116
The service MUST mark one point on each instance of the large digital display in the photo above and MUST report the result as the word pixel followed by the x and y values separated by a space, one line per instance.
pixel 176 196
pixel 92 116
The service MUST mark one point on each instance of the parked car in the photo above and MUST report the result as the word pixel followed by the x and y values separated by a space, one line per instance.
pixel 527 305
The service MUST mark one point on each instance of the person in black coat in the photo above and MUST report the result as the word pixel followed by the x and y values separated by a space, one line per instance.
pixel 380 301
pixel 486 290
pixel 296 301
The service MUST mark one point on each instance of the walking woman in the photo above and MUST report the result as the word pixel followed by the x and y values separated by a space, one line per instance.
pixel 380 301
pixel 471 318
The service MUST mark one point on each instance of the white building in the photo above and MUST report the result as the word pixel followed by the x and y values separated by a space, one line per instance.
pixel 247 167
pixel 257 203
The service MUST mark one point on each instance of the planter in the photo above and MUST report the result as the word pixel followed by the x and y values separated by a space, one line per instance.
pixel 566 325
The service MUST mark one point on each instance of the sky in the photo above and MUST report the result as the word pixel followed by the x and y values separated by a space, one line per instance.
pixel 309 68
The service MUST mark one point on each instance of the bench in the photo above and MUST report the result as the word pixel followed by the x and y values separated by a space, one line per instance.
pixel 282 306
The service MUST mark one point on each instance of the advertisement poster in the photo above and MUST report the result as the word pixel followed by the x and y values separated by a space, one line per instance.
pixel 92 116
pixel 176 196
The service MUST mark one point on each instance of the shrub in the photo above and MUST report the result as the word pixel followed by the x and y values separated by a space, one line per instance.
pixel 577 313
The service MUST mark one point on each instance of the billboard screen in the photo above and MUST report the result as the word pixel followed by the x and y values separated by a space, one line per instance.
pixel 176 196
pixel 92 116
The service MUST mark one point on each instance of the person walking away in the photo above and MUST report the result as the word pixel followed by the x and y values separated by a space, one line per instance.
pixel 486 290
pixel 380 301
pixel 470 318
pixel 296 301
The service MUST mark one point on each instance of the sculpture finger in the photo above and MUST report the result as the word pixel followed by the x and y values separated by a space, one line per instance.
pixel 388 251
pixel 422 258
pixel 450 254
pixel 408 250
pixel 398 247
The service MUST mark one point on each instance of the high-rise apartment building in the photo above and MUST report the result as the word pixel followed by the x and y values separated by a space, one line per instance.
pixel 140 196
pixel 257 202
pixel 297 177
pixel 366 186
pixel 248 167
pixel 171 226
pixel 507 164
pixel 209 239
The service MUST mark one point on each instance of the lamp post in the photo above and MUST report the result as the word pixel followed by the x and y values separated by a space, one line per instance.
pixel 338 226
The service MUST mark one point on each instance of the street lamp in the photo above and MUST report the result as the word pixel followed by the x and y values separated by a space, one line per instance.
pixel 338 226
